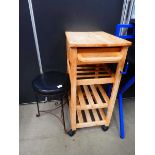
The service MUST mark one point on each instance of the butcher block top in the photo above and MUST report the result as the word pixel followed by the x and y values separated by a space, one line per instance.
pixel 94 39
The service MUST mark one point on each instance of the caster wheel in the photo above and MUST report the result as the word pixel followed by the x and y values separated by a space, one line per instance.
pixel 71 133
pixel 104 128
pixel 37 115
pixel 56 103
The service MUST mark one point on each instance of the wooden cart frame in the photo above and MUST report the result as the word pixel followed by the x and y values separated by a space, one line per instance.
pixel 88 54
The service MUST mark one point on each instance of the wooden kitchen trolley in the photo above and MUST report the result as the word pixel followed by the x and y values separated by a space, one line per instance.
pixel 94 60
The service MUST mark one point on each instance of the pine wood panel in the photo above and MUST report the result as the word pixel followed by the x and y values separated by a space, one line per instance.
pixel 104 57
pixel 94 39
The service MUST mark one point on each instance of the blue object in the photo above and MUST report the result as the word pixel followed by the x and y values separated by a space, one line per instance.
pixel 120 104
pixel 121 115
pixel 120 26
pixel 122 72
pixel 126 69
pixel 128 84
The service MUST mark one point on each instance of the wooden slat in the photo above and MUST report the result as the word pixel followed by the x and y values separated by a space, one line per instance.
pixel 96 95
pixel 85 66
pixel 108 69
pixel 97 72
pixel 80 118
pixel 86 71
pixel 99 62
pixel 87 116
pixel 95 114
pixel 89 124
pixel 88 95
pixel 83 104
pixel 91 68
pixel 95 106
pixel 104 94
pixel 90 71
pixel 92 75
pixel 95 81
pixel 102 114
pixel 81 97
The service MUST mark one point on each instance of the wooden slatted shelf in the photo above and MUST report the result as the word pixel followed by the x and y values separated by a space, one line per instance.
pixel 88 118
pixel 94 74
pixel 91 97
pixel 93 71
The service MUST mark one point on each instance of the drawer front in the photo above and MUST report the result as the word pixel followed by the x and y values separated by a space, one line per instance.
pixel 99 49
pixel 99 55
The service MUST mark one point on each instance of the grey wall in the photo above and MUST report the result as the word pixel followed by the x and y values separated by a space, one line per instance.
pixel 53 18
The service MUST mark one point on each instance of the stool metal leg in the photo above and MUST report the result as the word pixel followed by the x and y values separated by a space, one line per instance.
pixel 37 100
pixel 67 100
pixel 62 111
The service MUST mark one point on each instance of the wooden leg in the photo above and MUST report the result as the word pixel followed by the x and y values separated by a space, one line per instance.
pixel 73 68
pixel 116 84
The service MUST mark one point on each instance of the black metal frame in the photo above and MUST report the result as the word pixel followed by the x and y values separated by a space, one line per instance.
pixel 60 97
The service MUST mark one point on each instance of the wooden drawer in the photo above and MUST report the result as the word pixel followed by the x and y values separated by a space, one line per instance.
pixel 98 49
pixel 99 55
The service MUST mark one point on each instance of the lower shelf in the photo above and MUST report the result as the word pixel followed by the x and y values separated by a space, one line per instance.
pixel 91 97
pixel 88 118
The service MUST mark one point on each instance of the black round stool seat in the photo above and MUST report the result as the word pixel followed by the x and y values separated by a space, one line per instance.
pixel 51 83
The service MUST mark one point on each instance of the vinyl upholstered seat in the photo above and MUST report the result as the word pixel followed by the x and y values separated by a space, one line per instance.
pixel 51 83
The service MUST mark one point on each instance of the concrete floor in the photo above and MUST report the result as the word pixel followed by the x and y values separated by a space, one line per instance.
pixel 45 135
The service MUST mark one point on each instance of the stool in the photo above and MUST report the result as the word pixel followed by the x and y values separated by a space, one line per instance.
pixel 52 84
